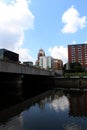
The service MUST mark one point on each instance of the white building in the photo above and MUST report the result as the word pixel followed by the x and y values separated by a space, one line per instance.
pixel 67 66
pixel 46 62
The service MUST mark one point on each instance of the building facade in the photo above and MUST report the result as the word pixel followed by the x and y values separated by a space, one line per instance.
pixel 78 53
pixel 41 52
pixel 46 62
pixel 8 55
pixel 58 64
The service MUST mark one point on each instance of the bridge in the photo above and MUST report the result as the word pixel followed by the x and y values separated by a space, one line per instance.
pixel 17 78
pixel 16 68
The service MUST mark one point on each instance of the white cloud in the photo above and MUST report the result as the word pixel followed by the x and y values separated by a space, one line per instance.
pixel 59 53
pixel 72 126
pixel 24 54
pixel 15 18
pixel 72 20
pixel 74 42
pixel 60 104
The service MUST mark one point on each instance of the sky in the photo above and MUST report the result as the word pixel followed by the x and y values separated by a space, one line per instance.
pixel 26 26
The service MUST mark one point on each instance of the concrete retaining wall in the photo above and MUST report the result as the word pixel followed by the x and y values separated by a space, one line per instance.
pixel 71 82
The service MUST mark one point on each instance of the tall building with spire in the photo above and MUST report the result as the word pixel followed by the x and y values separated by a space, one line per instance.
pixel 41 53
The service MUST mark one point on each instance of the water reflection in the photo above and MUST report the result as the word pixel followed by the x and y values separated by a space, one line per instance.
pixel 53 110
pixel 78 104
pixel 60 104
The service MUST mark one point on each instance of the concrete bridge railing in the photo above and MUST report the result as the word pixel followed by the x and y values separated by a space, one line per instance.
pixel 10 67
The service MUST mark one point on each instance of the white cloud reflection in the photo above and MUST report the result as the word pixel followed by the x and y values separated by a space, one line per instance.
pixel 60 104
pixel 72 126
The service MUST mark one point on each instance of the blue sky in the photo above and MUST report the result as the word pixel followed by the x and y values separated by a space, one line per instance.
pixel 29 25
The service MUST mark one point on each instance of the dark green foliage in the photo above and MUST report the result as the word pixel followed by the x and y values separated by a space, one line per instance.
pixel 74 67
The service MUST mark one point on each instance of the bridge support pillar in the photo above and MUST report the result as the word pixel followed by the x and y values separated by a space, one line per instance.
pixel 10 85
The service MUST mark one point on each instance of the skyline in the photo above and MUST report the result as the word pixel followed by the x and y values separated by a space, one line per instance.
pixel 26 26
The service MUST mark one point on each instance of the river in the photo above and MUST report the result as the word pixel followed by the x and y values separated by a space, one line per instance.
pixel 51 110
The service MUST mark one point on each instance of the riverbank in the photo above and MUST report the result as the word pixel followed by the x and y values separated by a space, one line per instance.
pixel 71 82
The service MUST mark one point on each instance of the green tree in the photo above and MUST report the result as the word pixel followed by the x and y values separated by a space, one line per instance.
pixel 76 67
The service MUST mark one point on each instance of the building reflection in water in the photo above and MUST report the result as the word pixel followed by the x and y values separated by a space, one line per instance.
pixel 78 104
pixel 54 109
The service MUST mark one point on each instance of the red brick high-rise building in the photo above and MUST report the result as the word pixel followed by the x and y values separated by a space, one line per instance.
pixel 78 53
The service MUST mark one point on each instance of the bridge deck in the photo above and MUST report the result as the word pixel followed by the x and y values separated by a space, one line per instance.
pixel 9 67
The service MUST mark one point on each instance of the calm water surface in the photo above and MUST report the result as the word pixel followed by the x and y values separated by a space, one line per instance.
pixel 53 110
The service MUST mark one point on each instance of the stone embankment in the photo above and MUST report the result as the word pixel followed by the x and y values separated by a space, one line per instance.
pixel 71 82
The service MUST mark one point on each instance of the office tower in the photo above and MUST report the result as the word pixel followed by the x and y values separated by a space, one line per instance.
pixel 58 64
pixel 78 53
pixel 41 53
pixel 46 62
pixel 8 55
